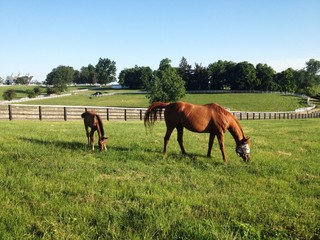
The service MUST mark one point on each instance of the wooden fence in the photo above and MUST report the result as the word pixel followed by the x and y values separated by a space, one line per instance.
pixel 64 113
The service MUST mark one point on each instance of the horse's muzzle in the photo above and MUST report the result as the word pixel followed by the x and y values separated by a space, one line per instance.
pixel 246 157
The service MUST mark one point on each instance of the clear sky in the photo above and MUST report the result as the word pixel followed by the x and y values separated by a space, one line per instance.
pixel 39 35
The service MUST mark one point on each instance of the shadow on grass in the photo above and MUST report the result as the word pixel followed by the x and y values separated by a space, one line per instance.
pixel 189 158
pixel 60 144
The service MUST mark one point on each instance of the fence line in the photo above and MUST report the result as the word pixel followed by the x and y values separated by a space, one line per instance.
pixel 64 113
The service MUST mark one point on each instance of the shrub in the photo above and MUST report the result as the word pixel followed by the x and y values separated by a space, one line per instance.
pixel 9 94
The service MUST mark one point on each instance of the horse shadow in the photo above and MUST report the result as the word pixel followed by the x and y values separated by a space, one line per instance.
pixel 60 144
pixel 190 158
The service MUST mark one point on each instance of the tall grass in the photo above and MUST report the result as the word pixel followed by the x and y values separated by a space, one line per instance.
pixel 54 187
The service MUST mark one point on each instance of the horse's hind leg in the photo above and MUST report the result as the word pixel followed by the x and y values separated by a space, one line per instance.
pixel 92 139
pixel 180 138
pixel 211 139
pixel 166 140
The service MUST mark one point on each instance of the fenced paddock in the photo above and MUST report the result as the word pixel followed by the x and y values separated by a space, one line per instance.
pixel 64 113
pixel 50 112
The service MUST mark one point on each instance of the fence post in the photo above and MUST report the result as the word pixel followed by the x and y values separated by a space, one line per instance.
pixel 140 114
pixel 125 114
pixel 40 113
pixel 65 113
pixel 108 114
pixel 10 112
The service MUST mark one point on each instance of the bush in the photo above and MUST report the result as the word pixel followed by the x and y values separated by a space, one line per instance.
pixel 9 94
pixel 37 91
pixel 31 93
pixel 52 90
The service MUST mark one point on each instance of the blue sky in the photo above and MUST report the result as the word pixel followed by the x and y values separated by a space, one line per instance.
pixel 39 35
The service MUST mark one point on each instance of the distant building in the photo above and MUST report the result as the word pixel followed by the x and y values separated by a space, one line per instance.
pixel 10 80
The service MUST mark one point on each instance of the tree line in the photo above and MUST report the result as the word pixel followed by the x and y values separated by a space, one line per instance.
pixel 167 80
pixel 228 75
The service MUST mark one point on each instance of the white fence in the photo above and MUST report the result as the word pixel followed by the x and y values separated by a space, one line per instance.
pixel 52 112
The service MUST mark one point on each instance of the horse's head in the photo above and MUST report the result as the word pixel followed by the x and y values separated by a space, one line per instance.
pixel 243 149
pixel 102 143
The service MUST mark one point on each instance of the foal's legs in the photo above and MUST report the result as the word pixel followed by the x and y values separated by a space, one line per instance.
pixel 221 143
pixel 166 139
pixel 180 138
pixel 211 139
pixel 88 136
pixel 92 138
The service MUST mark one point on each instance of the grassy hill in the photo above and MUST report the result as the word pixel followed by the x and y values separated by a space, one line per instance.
pixel 131 98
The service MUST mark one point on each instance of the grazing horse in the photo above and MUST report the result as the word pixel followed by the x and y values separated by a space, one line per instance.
pixel 208 118
pixel 94 121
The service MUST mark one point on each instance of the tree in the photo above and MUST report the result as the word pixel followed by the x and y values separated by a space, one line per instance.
pixel 219 74
pixel 244 77
pixel 200 77
pixel 137 77
pixel 87 75
pixel 106 71
pixel 265 76
pixel 60 77
pixel 286 80
pixel 185 72
pixel 167 85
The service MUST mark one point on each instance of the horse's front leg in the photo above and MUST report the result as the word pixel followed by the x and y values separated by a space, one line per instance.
pixel 211 140
pixel 166 140
pixel 221 143
pixel 180 138
pixel 92 139
pixel 88 135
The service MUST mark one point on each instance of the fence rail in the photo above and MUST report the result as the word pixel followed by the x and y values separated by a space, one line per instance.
pixel 64 113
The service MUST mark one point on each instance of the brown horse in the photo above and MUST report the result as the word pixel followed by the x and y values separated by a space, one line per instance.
pixel 94 121
pixel 209 118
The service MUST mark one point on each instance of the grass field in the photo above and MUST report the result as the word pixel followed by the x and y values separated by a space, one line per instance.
pixel 236 102
pixel 54 187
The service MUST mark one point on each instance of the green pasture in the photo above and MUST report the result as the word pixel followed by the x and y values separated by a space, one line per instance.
pixel 236 102
pixel 54 187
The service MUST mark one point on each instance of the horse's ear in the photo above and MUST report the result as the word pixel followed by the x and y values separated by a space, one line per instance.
pixel 246 139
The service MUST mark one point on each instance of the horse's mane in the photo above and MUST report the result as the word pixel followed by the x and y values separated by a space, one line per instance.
pixel 229 117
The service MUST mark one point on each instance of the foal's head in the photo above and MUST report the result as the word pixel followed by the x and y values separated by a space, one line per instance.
pixel 243 149
pixel 102 143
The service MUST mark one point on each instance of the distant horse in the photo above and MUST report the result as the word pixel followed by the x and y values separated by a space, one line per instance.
pixel 208 118
pixel 94 121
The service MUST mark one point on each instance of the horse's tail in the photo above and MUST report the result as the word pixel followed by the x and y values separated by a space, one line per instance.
pixel 100 125
pixel 151 114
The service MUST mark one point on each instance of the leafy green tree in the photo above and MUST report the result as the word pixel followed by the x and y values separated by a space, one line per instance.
pixel 185 71
pixel 244 77
pixel 22 80
pixel 167 85
pixel 87 75
pixel 200 77
pixel 106 71
pixel 265 76
pixel 60 77
pixel 136 78
pixel 219 74
pixel 286 80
